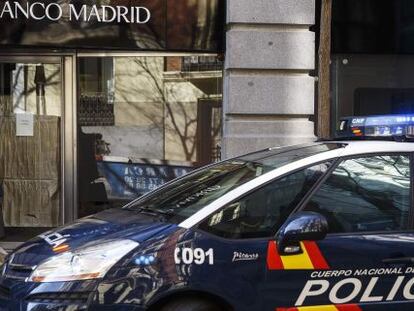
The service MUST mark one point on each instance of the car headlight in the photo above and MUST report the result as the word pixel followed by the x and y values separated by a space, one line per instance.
pixel 90 262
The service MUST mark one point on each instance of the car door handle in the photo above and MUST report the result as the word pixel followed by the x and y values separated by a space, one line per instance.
pixel 399 260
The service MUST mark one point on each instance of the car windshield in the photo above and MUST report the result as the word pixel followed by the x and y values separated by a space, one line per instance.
pixel 187 195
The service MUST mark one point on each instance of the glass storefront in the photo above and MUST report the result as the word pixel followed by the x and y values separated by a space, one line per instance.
pixel 99 106
pixel 142 121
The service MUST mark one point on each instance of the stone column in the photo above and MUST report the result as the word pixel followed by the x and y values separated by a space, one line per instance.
pixel 268 95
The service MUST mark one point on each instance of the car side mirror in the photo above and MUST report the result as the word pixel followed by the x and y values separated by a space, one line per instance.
pixel 303 226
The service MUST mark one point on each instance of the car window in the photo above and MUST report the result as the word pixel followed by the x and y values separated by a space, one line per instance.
pixel 366 194
pixel 186 196
pixel 262 212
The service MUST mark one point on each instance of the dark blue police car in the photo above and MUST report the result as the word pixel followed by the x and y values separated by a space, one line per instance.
pixel 322 226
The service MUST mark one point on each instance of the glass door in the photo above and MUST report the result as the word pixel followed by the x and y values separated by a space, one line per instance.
pixel 31 140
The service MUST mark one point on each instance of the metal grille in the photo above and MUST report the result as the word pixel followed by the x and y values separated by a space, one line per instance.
pixel 201 63
pixel 96 110
pixel 62 297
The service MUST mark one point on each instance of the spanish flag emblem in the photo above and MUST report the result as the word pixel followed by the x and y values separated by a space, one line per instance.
pixel 310 259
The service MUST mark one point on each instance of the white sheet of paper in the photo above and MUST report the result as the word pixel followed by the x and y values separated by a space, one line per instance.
pixel 24 124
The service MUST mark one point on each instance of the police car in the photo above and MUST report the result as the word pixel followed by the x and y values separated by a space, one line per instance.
pixel 321 226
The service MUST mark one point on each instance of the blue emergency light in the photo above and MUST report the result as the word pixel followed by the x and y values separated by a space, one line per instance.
pixel 386 126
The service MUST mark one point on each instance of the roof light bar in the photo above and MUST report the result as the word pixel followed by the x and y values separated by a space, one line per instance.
pixel 377 126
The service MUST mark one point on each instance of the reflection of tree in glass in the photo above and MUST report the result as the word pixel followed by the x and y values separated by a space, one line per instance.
pixel 182 120
pixel 366 191
pixel 27 91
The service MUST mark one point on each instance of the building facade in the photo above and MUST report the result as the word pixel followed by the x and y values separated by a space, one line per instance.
pixel 102 101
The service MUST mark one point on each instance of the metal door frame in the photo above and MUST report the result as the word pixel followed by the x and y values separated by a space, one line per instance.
pixel 69 123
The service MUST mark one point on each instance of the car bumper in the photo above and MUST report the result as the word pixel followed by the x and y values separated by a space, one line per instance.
pixel 65 296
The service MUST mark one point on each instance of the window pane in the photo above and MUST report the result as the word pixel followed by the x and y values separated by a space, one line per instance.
pixel 366 194
pixel 372 26
pixel 261 213
pixel 144 121
pixel 30 148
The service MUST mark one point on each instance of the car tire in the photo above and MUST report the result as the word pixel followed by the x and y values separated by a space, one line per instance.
pixel 191 304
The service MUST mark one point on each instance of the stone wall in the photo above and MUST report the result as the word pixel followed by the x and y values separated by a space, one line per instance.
pixel 268 92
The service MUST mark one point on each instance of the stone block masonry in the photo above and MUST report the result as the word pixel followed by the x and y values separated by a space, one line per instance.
pixel 269 95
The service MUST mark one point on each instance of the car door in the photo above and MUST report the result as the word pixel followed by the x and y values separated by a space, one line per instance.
pixel 239 233
pixel 367 260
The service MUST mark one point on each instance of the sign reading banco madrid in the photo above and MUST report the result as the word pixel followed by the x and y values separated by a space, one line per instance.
pixel 153 25
pixel 54 11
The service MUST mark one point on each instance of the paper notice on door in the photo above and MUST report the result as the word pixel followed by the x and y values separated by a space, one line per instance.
pixel 24 124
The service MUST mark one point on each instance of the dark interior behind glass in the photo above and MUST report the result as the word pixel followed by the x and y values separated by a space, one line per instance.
pixel 372 58
pixel 261 213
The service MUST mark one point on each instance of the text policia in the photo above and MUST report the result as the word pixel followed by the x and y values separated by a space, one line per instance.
pixel 363 285
pixel 52 11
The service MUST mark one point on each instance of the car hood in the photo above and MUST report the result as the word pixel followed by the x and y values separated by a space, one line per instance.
pixel 108 225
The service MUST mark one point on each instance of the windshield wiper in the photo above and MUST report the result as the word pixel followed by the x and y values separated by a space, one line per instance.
pixel 160 214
